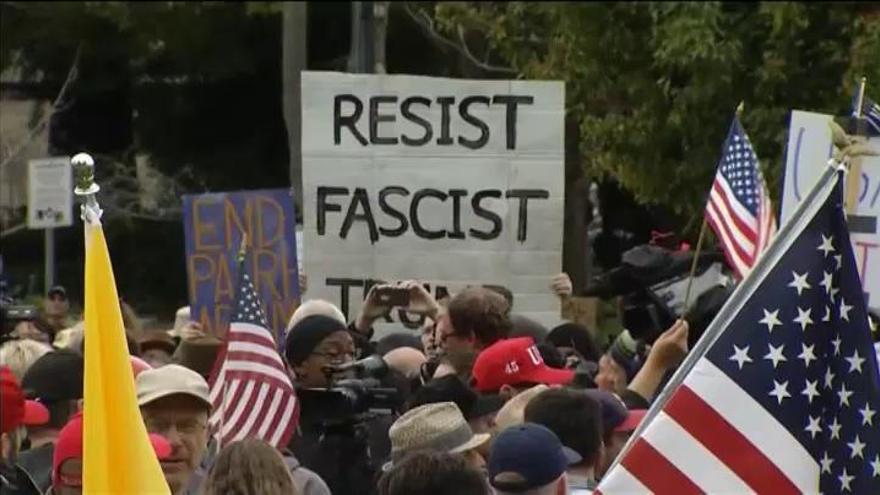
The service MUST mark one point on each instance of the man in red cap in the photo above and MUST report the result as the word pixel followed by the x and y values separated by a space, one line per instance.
pixel 67 458
pixel 510 366
pixel 15 412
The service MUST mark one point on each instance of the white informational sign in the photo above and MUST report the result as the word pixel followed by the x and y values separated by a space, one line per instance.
pixel 50 193
pixel 809 148
pixel 450 182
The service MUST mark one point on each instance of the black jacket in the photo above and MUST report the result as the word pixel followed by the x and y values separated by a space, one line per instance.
pixel 348 456
pixel 38 464
pixel 15 481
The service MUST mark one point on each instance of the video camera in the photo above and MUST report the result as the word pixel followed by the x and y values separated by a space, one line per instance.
pixel 653 283
pixel 355 394
pixel 11 314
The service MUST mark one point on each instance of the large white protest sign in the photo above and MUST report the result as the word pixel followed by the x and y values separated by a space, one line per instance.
pixel 809 148
pixel 452 182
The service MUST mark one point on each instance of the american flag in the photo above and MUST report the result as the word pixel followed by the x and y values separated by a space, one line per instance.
pixel 739 208
pixel 785 397
pixel 251 392
pixel 870 112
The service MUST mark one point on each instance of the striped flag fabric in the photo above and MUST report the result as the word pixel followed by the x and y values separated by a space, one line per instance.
pixel 739 209
pixel 251 392
pixel 782 394
pixel 870 112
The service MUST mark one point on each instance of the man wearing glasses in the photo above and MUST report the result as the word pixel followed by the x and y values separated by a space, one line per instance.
pixel 316 345
pixel 175 403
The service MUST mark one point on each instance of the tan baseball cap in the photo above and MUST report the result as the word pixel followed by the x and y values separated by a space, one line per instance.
pixel 171 379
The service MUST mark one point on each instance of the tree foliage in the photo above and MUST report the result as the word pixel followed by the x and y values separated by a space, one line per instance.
pixel 200 82
pixel 654 85
pixel 199 86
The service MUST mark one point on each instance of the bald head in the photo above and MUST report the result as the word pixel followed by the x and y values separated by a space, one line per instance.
pixel 312 308
pixel 405 360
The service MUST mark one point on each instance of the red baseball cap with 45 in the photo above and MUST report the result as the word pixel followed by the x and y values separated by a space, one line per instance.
pixel 512 362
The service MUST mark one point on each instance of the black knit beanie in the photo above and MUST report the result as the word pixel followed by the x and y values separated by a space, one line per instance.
pixel 305 336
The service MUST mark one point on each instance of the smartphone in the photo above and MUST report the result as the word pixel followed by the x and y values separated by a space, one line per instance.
pixel 393 296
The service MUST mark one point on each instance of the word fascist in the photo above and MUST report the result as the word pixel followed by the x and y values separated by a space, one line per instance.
pixel 359 209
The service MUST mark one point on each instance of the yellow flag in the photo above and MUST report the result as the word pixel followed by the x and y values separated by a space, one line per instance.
pixel 118 457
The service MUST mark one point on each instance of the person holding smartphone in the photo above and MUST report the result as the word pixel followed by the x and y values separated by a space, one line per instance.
pixel 408 294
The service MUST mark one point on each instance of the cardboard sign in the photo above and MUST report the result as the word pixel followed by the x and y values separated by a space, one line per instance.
pixel 214 225
pixel 50 193
pixel 450 182
pixel 809 148
pixel 582 310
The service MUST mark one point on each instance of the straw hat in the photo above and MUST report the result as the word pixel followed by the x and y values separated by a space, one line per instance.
pixel 440 427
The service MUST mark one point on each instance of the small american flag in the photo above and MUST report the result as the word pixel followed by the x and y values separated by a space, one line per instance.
pixel 739 208
pixel 785 397
pixel 870 112
pixel 251 392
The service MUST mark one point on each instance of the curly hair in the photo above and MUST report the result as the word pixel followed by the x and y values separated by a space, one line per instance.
pixel 481 313
pixel 249 467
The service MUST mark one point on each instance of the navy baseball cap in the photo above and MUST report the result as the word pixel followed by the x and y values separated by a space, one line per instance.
pixel 528 456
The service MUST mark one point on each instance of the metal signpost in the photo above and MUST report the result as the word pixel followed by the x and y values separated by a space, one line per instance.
pixel 50 204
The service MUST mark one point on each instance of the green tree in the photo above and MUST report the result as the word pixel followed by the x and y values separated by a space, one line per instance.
pixel 199 85
pixel 654 85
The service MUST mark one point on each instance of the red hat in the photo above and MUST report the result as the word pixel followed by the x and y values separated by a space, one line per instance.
pixel 616 417
pixel 70 446
pixel 632 421
pixel 17 411
pixel 138 365
pixel 514 361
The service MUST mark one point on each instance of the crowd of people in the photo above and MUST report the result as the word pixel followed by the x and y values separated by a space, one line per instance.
pixel 481 400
